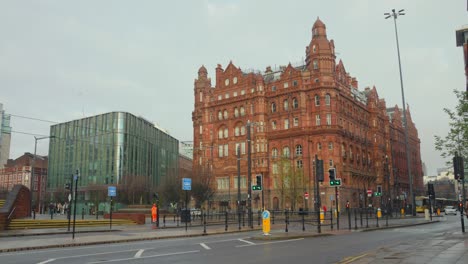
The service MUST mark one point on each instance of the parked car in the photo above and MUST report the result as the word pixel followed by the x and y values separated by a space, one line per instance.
pixel 450 210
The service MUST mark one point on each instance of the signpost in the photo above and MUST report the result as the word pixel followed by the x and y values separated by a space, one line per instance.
pixel 111 192
pixel 306 195
pixel 369 192
pixel 266 222
pixel 186 186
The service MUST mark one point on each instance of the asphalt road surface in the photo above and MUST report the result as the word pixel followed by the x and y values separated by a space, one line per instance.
pixel 243 248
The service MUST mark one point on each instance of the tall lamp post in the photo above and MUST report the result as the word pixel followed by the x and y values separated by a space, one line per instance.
pixel 395 15
pixel 31 182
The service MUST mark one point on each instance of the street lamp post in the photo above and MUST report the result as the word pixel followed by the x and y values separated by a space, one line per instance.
pixel 395 15
pixel 31 182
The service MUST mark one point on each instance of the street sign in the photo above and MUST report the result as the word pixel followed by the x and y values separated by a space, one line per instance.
pixel 266 222
pixel 332 197
pixel 186 184
pixel 306 195
pixel 369 192
pixel 111 191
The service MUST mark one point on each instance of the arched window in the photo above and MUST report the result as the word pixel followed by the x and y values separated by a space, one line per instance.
pixel 226 133
pixel 286 152
pixel 317 100
pixel 327 99
pixel 236 131
pixel 242 130
pixel 220 133
pixel 225 114
pixel 295 103
pixel 298 150
pixel 220 115
pixel 273 107
pixel 236 112
pixel 285 105
pixel 315 62
pixel 274 152
pixel 242 111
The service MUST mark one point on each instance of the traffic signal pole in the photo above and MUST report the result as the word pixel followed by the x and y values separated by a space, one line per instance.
pixel 317 193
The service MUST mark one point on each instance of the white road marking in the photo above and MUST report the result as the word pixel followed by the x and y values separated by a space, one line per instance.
pixel 47 261
pixel 138 254
pixel 272 242
pixel 152 256
pixel 205 246
pixel 245 241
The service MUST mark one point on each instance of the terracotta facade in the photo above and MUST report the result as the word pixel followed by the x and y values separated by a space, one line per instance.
pixel 297 114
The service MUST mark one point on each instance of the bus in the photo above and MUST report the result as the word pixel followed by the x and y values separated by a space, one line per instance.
pixel 422 203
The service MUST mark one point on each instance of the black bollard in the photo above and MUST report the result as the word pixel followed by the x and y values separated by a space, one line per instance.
pixel 82 213
pixel 226 221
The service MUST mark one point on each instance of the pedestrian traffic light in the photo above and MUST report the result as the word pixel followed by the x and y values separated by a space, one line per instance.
pixel 458 168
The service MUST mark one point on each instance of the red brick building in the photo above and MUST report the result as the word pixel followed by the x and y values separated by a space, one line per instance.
pixel 297 113
pixel 18 171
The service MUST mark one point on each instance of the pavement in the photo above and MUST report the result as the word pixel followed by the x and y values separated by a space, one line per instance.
pixel 32 239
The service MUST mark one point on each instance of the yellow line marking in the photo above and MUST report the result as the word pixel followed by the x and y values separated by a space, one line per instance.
pixel 351 259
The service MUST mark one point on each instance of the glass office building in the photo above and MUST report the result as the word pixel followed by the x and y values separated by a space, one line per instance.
pixel 116 149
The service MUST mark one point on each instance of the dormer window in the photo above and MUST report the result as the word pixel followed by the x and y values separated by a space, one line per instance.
pixel 315 62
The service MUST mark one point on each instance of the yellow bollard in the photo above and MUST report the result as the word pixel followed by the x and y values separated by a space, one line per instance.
pixel 379 213
pixel 438 211
pixel 336 213
pixel 322 217
pixel 402 212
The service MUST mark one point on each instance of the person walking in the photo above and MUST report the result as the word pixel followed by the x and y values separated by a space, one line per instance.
pixel 154 213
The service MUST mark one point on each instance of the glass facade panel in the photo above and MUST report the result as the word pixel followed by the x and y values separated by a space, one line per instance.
pixel 116 149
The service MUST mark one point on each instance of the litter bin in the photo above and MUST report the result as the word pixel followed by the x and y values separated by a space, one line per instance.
pixel 185 216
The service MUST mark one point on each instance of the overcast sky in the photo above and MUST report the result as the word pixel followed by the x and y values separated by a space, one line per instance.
pixel 62 60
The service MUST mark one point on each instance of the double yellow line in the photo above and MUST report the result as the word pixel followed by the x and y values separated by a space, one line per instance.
pixel 351 259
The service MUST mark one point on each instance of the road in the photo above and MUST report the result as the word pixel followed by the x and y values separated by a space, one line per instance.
pixel 244 248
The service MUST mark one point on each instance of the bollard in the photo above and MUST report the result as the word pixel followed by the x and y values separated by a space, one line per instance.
pixel 204 223
pixel 273 216
pixel 402 212
pixel 322 216
pixel 379 213
pixel 226 221
pixel 286 220
pixel 349 218
pixel 34 214
pixel 164 221
pixel 259 217
pixel 355 219
pixel 303 223
pixel 331 219
pixel 377 217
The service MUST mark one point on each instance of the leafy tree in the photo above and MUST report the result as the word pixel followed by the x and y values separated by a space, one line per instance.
pixel 290 182
pixel 456 141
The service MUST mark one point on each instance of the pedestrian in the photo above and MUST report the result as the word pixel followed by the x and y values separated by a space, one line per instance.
pixel 154 213
pixel 51 210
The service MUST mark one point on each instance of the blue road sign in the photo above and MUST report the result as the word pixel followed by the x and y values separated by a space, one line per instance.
pixel 266 214
pixel 186 184
pixel 111 191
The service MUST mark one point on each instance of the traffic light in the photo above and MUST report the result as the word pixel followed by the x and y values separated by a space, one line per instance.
pixel 331 173
pixel 258 186
pixel 319 170
pixel 333 180
pixel 379 191
pixel 458 168
pixel 430 189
